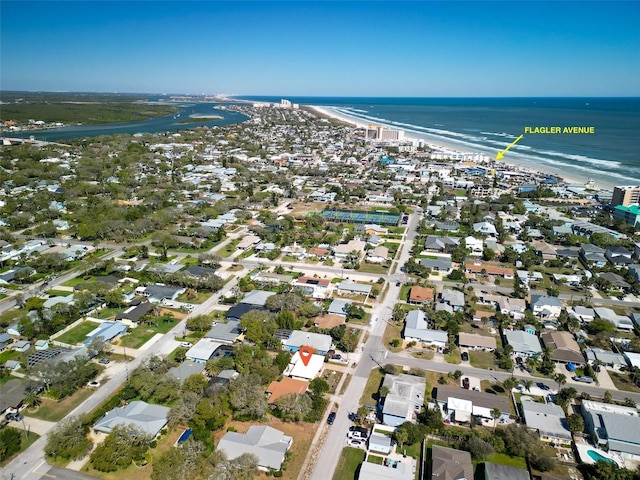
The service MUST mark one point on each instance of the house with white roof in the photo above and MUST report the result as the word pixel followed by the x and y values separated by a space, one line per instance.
pixel 475 245
pixel 546 307
pixel 267 443
pixel 202 351
pixel 298 370
pixel 404 398
pixel 485 228
pixel 257 297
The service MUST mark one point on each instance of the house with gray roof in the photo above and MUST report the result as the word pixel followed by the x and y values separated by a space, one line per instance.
pixel 450 464
pixel 225 332
pixel 266 443
pixel 149 418
pixel 621 322
pixel 200 272
pixel 459 404
pixel 415 330
pixel 135 312
pixel 348 287
pixel 548 419
pixel 405 398
pixel 591 255
pixel 524 344
pixel 186 369
pixel 440 264
pixel 605 358
pixel 436 243
pixel 498 471
pixel 257 297
pixel 12 394
pixel 157 293
pixel 5 341
pixel 320 342
pixel 338 307
pixel 107 331
pixel 615 428
pixel 454 298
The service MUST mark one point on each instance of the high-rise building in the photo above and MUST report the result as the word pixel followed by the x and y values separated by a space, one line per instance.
pixel 626 195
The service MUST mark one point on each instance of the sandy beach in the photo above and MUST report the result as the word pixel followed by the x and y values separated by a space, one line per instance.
pixel 440 144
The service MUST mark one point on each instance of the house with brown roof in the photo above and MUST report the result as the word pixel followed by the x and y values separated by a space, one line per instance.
pixel 328 321
pixel 286 386
pixel 564 348
pixel 321 253
pixel 450 464
pixel 544 250
pixel 473 341
pixel 420 295
pixel 477 268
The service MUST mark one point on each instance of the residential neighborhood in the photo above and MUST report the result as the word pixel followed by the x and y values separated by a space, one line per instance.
pixel 290 297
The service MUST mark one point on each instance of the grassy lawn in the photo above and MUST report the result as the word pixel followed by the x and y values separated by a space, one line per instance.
pixel 26 441
pixel 137 337
pixel 370 394
pixel 8 355
pixel 12 315
pixel 107 313
pixel 373 268
pixel 424 354
pixel 483 360
pixel 622 381
pixel 58 293
pixel 345 384
pixel 74 281
pixel 348 463
pixel 504 459
pixel 54 411
pixel 191 296
pixel 453 357
pixel 332 377
pixel 229 249
pixel 77 334
pixel 375 459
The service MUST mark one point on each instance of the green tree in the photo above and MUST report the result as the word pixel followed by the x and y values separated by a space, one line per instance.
pixel 68 439
pixel 10 442
pixel 575 423
pixel 123 445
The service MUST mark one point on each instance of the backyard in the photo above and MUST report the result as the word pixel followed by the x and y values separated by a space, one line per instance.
pixel 77 334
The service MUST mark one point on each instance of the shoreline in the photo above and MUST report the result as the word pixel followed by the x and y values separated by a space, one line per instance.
pixel 439 144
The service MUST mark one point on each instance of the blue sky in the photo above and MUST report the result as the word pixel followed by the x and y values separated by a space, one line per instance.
pixel 459 49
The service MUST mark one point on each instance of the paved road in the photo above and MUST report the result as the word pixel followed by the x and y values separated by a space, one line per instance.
pixel 31 464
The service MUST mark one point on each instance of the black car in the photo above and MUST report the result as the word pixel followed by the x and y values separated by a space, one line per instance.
pixel 331 418
pixel 465 356
pixel 542 386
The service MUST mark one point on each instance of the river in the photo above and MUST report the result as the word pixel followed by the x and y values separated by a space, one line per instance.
pixel 169 123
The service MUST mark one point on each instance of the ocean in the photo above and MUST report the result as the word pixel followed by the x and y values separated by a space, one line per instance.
pixel 611 156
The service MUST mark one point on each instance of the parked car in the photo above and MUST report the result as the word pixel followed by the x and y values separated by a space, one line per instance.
pixel 542 386
pixel 465 383
pixel 464 356
pixel 583 378
pixel 16 417
pixel 354 443
pixel 398 284
pixel 186 344
pixel 104 361
pixel 93 384
pixel 331 418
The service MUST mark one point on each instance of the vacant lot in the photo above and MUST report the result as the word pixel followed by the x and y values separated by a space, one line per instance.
pixel 77 334
pixel 54 411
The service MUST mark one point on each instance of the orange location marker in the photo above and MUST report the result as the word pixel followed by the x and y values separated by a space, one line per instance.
pixel 305 354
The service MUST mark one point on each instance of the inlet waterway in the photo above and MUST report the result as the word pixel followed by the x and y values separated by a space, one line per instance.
pixel 168 123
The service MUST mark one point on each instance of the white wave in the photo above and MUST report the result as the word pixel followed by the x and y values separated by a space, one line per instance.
pixel 581 158
pixel 503 134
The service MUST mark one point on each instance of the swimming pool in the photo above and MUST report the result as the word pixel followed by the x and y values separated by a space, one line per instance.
pixel 595 456
pixel 184 437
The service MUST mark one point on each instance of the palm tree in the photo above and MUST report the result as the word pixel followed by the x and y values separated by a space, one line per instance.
pixel 495 414
pixel 560 379
pixel 32 399
pixel 527 384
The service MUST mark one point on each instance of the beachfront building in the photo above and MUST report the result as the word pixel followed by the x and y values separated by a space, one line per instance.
pixel 626 195
pixel 630 214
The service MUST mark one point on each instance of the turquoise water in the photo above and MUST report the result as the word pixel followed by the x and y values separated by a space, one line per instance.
pixel 595 456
